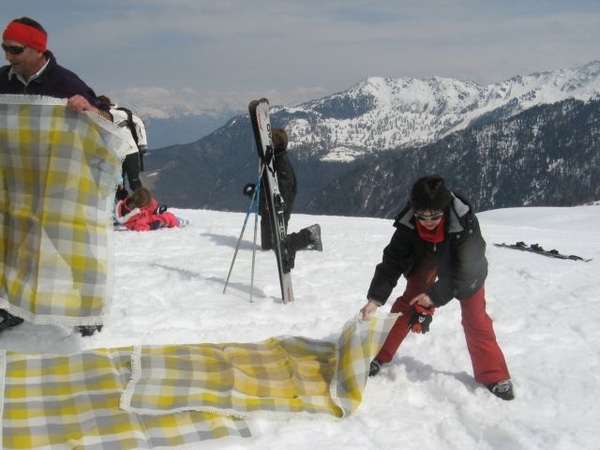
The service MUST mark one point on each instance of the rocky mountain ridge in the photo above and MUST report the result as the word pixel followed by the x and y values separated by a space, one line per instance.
pixel 336 141
pixel 384 114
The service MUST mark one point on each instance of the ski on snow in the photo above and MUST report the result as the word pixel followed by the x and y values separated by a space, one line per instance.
pixel 535 248
pixel 261 125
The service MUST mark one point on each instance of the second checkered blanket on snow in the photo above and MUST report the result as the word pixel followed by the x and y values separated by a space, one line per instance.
pixel 178 395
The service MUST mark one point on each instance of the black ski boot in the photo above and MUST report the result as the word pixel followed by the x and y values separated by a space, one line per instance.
pixel 315 238
pixel 88 330
pixel 502 389
pixel 8 320
pixel 375 367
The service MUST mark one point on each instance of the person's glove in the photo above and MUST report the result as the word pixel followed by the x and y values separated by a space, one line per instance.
pixel 248 190
pixel 421 319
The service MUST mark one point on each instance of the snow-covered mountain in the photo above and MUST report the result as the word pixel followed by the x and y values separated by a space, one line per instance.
pixel 545 155
pixel 375 114
pixel 353 151
pixel 384 113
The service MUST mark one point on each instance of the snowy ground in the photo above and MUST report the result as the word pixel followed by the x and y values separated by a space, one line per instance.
pixel 169 289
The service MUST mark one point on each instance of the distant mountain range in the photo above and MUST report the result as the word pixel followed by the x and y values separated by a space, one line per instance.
pixel 529 140
pixel 176 116
pixel 163 132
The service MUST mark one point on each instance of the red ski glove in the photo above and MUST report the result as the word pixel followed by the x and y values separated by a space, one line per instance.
pixel 421 319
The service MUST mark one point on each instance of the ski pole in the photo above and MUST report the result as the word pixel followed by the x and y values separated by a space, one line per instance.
pixel 254 240
pixel 237 247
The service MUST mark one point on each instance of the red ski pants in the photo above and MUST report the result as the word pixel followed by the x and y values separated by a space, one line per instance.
pixel 489 365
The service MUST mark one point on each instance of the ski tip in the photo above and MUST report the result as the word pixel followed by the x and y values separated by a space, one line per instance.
pixel 254 103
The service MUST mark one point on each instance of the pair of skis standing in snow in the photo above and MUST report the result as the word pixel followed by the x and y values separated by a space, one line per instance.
pixel 268 198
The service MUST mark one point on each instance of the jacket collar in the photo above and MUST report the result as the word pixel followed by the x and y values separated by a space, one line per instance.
pixel 40 74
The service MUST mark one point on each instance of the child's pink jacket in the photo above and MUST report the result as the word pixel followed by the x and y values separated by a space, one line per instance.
pixel 144 219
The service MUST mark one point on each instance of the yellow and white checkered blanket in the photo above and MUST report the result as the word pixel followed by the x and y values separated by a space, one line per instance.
pixel 58 170
pixel 178 396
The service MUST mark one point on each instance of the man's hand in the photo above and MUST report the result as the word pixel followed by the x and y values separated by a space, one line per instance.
pixel 79 103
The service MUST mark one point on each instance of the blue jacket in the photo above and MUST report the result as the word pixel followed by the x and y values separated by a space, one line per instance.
pixel 54 81
pixel 460 257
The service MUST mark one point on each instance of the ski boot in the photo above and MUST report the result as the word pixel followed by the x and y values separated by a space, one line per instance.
pixel 88 330
pixel 315 238
pixel 502 389
pixel 8 320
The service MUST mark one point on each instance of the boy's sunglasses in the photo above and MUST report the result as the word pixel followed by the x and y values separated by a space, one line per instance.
pixel 430 218
pixel 13 49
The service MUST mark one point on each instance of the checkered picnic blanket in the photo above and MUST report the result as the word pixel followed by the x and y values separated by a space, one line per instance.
pixel 280 377
pixel 58 170
pixel 180 395
pixel 72 402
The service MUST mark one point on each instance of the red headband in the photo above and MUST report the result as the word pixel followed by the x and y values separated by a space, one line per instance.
pixel 26 34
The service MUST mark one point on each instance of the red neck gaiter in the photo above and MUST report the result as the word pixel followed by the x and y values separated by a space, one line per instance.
pixel 434 236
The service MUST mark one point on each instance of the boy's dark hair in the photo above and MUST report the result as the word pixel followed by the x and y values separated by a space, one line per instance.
pixel 31 23
pixel 280 140
pixel 430 193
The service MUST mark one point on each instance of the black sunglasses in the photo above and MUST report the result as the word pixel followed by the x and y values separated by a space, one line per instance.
pixel 430 218
pixel 13 49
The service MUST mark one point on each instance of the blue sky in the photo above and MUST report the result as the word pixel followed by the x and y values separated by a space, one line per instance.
pixel 223 53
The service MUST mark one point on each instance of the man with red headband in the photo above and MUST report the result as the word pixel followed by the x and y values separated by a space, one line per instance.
pixel 33 70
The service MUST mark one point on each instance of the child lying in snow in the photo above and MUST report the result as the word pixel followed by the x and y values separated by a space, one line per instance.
pixel 140 212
